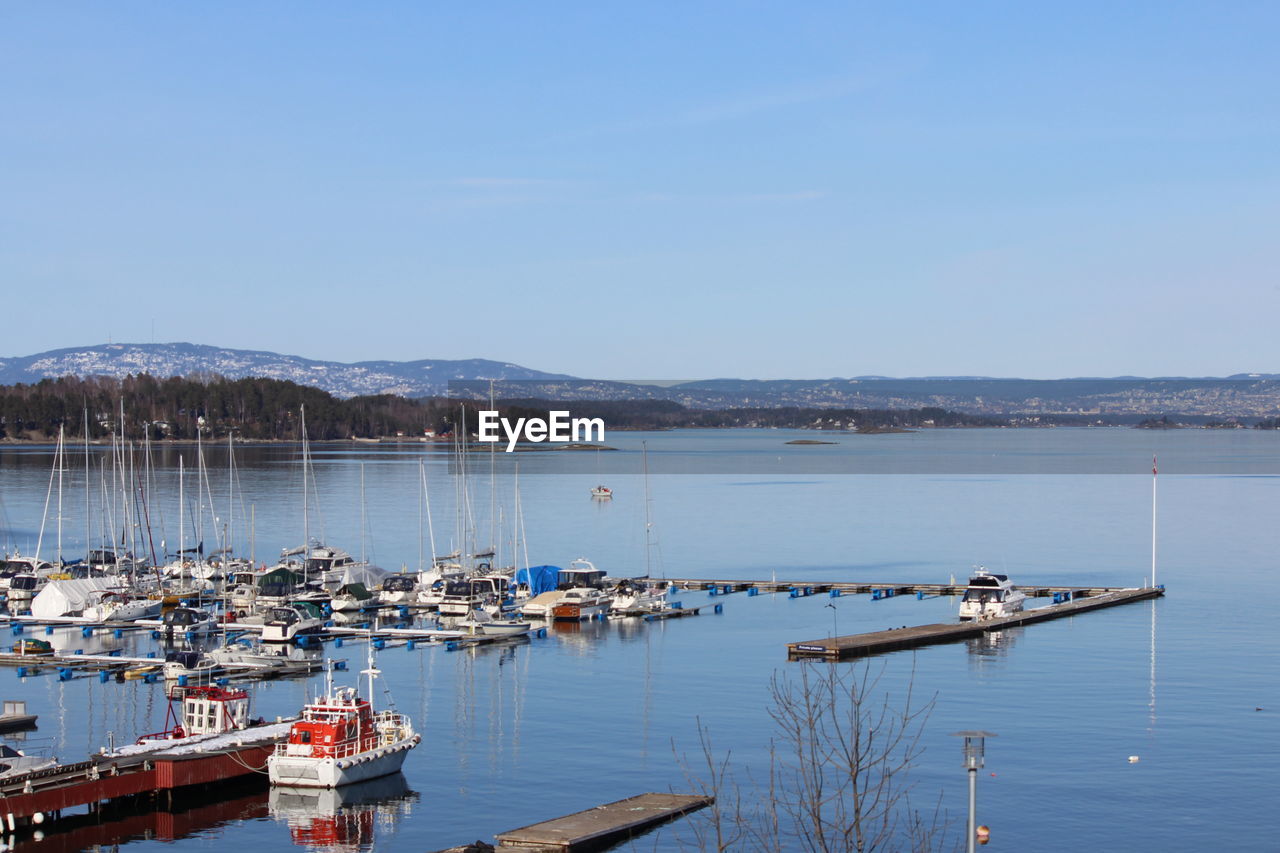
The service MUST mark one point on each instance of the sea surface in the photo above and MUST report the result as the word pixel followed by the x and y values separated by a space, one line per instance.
pixel 514 734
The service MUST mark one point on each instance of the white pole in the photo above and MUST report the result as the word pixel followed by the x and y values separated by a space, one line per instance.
pixel 1154 475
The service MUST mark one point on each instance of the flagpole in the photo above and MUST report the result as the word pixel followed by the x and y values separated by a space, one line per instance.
pixel 1154 477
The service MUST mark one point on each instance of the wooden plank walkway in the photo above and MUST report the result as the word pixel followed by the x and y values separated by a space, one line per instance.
pixel 602 826
pixel 723 586
pixel 879 642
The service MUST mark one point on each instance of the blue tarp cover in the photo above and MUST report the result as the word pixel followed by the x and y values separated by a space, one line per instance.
pixel 539 578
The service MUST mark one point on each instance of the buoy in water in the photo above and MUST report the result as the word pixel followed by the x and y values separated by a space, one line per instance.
pixel 1133 759
pixel 984 834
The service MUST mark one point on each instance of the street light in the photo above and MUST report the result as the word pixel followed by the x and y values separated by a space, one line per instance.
pixel 974 741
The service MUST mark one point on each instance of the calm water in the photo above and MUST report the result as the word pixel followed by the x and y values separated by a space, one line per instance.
pixel 517 734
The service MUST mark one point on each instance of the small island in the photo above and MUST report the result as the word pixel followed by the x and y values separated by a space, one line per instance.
pixel 810 441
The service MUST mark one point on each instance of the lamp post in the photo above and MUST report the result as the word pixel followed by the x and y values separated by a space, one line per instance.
pixel 974 741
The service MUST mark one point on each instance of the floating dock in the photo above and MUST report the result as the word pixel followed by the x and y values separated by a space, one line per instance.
pixel 879 642
pixel 602 826
pixel 888 588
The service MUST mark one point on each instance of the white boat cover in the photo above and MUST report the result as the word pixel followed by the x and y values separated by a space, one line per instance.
pixel 68 598
pixel 370 576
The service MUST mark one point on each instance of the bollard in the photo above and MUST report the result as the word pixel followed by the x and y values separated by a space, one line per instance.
pixel 64 673
pixel 795 593
pixel 719 608
pixel 713 591
pixel 648 617
pixel 79 651
pixel 22 672
pixel 48 629
pixel 379 643
pixel 190 635
pixel 676 605
pixel 542 632
pixel 182 680
pixel 118 633
pixel 340 665
pixel 222 682
pixel 104 677
pixel 337 644
pixel 753 591
pixel 450 645
pixel 919 595
pixel 155 634
pixel 875 595
pixel 411 645
pixel 151 654
pixel 86 631
pixel 404 611
pixel 727 589
pixel 17 629
pixel 835 593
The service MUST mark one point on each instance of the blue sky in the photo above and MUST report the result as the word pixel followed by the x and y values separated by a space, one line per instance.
pixel 666 190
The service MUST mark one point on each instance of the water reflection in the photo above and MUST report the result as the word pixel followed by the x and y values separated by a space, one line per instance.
pixel 992 644
pixel 192 812
pixel 343 818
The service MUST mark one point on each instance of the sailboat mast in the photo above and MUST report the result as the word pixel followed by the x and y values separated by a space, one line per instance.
pixel 58 457
pixel 648 519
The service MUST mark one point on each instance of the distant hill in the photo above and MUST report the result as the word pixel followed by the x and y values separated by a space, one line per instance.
pixel 422 378
pixel 1246 395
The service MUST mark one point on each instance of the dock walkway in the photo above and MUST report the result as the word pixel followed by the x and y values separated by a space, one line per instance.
pixel 602 826
pixel 870 587
pixel 879 642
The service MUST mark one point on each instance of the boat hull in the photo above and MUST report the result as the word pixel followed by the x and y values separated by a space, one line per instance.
pixel 307 772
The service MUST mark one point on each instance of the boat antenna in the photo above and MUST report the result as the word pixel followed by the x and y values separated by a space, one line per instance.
pixel 372 671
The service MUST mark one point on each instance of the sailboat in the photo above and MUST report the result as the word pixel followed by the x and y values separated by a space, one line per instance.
pixel 642 596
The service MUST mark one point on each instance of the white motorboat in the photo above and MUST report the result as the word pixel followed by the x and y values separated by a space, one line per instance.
pixel 602 492
pixel 290 621
pixel 14 762
pixel 990 596
pixel 640 596
pixel 197 665
pixel 398 589
pixel 189 620
pixel 488 592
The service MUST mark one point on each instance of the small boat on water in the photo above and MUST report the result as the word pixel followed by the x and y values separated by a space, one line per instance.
pixel 639 597
pixel 115 605
pixel 189 620
pixel 197 665
pixel 351 596
pixel 291 621
pixel 479 622
pixel 398 589
pixel 602 492
pixel 990 596
pixel 33 647
pixel 15 762
pixel 340 740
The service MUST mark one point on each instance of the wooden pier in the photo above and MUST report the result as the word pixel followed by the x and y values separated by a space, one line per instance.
pixel 889 588
pixel 602 826
pixel 879 642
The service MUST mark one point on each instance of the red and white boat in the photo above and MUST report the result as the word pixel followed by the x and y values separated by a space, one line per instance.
pixel 340 740
pixel 602 492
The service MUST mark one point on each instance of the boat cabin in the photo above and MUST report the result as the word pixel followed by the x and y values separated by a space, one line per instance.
pixel 185 617
pixel 206 710
pixel 400 583
pixel 573 577
pixel 334 727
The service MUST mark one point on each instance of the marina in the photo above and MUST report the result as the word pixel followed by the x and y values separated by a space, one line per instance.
pixel 481 702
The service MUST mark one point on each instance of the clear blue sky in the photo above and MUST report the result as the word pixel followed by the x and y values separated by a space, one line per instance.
pixel 661 190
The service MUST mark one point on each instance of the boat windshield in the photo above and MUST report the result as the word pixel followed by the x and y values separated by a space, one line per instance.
pixel 461 589
pixel 400 583
pixel 284 614
pixel 984 595
pixel 570 578
pixel 23 582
